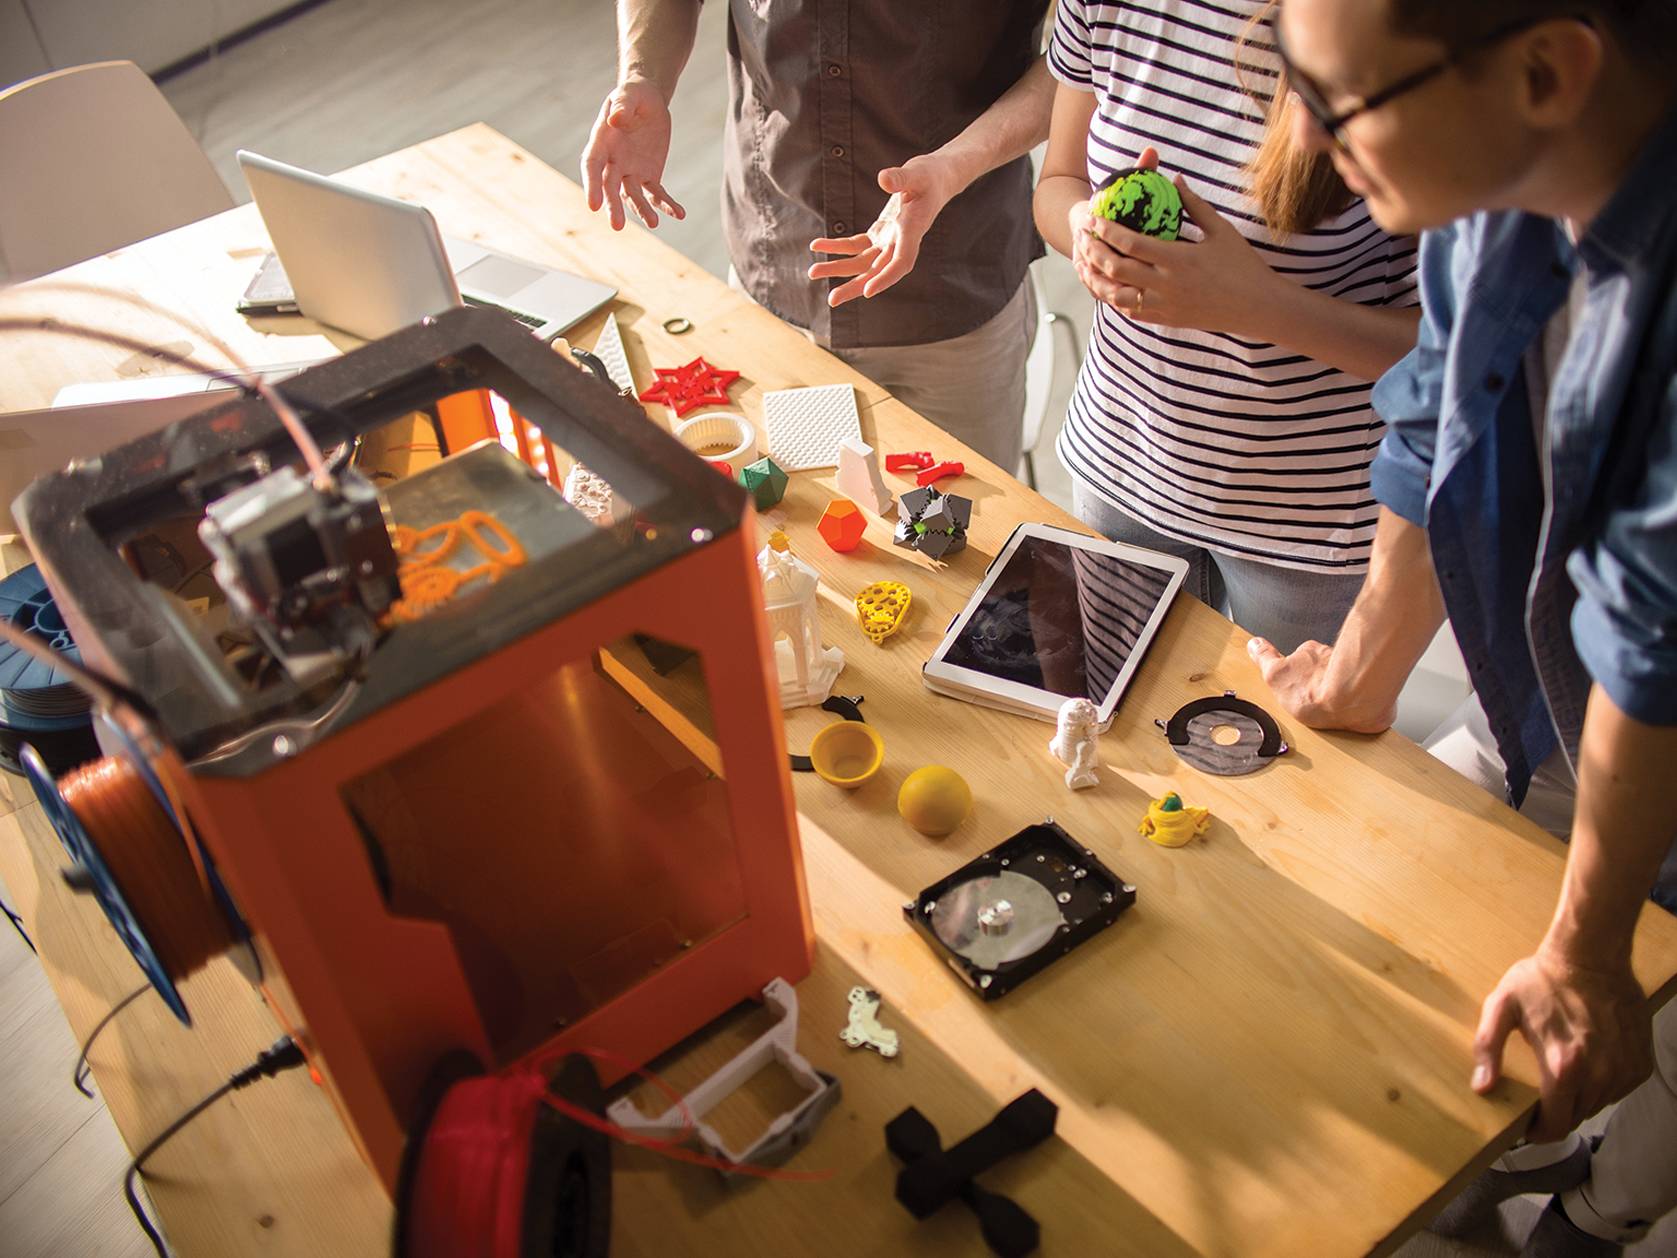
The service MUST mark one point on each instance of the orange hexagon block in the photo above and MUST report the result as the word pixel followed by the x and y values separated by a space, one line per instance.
pixel 842 524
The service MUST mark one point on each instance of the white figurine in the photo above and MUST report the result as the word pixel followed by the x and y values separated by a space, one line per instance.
pixel 1075 743
pixel 807 670
pixel 863 1030
pixel 859 478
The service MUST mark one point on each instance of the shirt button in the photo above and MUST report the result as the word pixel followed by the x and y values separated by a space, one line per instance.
pixel 1493 382
pixel 837 150
pixel 840 227
pixel 834 69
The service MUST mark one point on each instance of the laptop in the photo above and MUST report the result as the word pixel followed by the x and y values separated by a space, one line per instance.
pixel 368 264
pixel 86 420
pixel 33 443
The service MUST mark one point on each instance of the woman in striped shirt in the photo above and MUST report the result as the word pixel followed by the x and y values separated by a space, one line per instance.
pixel 1222 412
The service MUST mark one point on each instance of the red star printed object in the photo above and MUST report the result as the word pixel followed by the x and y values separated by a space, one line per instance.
pixel 696 384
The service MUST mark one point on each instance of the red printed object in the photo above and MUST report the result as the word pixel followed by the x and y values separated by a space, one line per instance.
pixel 909 462
pixel 947 468
pixel 842 524
pixel 684 388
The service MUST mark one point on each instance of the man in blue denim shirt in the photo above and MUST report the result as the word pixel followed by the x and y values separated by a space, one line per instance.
pixel 1528 483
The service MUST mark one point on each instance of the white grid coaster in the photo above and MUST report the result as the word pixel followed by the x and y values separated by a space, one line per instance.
pixel 804 427
pixel 609 350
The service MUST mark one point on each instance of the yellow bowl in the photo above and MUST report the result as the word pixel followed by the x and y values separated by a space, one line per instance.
pixel 847 753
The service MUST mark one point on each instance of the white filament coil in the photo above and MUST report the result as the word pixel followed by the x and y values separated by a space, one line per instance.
pixel 719 430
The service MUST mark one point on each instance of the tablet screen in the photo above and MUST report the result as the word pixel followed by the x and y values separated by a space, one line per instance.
pixel 1059 618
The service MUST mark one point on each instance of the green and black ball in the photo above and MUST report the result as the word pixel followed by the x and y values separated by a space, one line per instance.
pixel 1142 200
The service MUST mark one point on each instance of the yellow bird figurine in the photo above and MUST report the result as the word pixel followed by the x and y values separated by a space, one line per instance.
pixel 1171 823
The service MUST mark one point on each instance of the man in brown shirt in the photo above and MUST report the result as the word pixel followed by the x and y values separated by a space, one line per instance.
pixel 834 105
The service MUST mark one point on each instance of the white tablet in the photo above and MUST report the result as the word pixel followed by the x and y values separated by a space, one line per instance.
pixel 1059 615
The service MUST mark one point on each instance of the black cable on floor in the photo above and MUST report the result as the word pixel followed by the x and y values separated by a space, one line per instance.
pixel 284 1054
pixel 79 1076
pixel 17 923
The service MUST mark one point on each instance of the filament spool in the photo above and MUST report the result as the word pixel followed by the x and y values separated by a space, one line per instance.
pixel 38 703
pixel 731 436
pixel 492 1170
pixel 126 849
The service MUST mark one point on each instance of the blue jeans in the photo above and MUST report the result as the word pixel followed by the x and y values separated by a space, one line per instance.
pixel 1288 606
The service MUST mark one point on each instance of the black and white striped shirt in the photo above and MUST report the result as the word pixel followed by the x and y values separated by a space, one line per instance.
pixel 1242 447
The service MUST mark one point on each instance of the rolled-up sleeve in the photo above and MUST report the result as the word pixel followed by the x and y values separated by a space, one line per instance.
pixel 1070 47
pixel 1410 396
pixel 1624 623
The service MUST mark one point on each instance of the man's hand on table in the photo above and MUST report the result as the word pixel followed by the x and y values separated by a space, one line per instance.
pixel 1303 682
pixel 1354 684
pixel 625 155
pixel 887 251
pixel 1576 1000
pixel 1586 1021
pixel 1589 1029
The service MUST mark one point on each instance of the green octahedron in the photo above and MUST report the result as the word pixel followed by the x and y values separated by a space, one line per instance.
pixel 765 482
pixel 1142 200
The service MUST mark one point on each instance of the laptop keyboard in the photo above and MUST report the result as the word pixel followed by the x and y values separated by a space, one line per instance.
pixel 529 321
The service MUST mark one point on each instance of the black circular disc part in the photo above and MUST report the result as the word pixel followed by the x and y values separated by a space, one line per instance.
pixel 1259 743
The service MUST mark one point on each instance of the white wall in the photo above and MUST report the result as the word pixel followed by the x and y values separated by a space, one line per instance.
pixel 41 35
pixel 21 54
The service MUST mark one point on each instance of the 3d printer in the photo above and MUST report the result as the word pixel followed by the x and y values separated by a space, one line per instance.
pixel 403 726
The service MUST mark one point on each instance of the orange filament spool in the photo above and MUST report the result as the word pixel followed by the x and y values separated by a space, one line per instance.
pixel 146 867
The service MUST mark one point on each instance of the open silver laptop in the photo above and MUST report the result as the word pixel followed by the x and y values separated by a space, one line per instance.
pixel 368 264
pixel 33 443
pixel 88 419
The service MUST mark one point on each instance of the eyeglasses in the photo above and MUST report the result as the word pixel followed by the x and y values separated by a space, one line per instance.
pixel 1315 100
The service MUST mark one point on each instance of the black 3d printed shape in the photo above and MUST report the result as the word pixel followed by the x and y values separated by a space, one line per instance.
pixel 934 1176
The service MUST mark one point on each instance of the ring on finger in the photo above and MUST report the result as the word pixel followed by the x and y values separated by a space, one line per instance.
pixel 1140 300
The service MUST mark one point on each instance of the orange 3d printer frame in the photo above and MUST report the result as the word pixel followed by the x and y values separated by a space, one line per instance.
pixel 479 836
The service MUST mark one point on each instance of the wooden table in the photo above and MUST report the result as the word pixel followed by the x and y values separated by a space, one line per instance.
pixel 1268 1054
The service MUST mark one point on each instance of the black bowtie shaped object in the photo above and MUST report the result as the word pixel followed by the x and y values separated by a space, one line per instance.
pixel 933 1176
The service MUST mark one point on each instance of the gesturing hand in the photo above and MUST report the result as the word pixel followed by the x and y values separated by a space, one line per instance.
pixel 625 155
pixel 1588 1028
pixel 882 255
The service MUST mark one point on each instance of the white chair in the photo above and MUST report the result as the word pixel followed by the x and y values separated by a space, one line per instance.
pixel 1041 371
pixel 94 158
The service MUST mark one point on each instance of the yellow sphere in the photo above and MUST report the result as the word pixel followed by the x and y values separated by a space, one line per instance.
pixel 934 800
